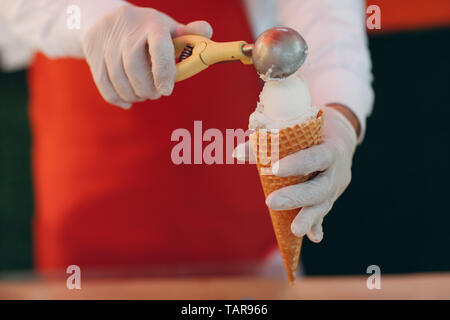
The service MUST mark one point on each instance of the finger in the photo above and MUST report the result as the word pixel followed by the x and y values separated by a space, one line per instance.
pixel 105 87
pixel 137 66
pixel 244 152
pixel 316 233
pixel 308 217
pixel 201 28
pixel 118 77
pixel 316 158
pixel 162 55
pixel 305 194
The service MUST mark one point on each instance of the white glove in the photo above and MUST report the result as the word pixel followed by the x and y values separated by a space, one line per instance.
pixel 117 49
pixel 115 37
pixel 333 158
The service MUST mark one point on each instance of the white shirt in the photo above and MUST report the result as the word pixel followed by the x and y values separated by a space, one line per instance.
pixel 338 68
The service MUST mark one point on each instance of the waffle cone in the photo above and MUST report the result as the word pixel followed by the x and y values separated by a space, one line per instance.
pixel 290 140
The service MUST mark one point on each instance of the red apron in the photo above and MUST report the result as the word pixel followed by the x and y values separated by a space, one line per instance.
pixel 106 191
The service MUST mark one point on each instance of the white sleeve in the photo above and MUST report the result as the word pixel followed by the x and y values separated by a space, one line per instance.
pixel 48 25
pixel 15 54
pixel 338 68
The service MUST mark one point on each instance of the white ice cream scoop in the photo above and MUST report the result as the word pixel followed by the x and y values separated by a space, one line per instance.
pixel 283 103
pixel 277 53
pixel 285 99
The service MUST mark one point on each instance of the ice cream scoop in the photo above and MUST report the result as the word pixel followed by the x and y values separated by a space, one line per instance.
pixel 283 103
pixel 277 53
pixel 285 99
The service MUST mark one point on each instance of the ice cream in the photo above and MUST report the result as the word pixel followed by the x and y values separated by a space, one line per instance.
pixel 283 103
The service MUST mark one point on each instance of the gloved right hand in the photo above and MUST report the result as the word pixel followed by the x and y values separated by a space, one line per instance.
pixel 131 54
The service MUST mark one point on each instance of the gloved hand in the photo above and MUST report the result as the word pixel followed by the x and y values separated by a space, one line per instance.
pixel 117 49
pixel 332 158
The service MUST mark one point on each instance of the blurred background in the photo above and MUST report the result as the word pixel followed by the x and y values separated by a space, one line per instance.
pixel 395 213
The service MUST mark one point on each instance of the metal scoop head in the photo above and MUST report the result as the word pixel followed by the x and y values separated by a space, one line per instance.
pixel 279 52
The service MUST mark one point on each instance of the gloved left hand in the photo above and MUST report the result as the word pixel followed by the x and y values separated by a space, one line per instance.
pixel 332 158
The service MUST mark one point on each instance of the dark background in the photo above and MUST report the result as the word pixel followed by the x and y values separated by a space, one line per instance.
pixel 395 213
pixel 16 204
